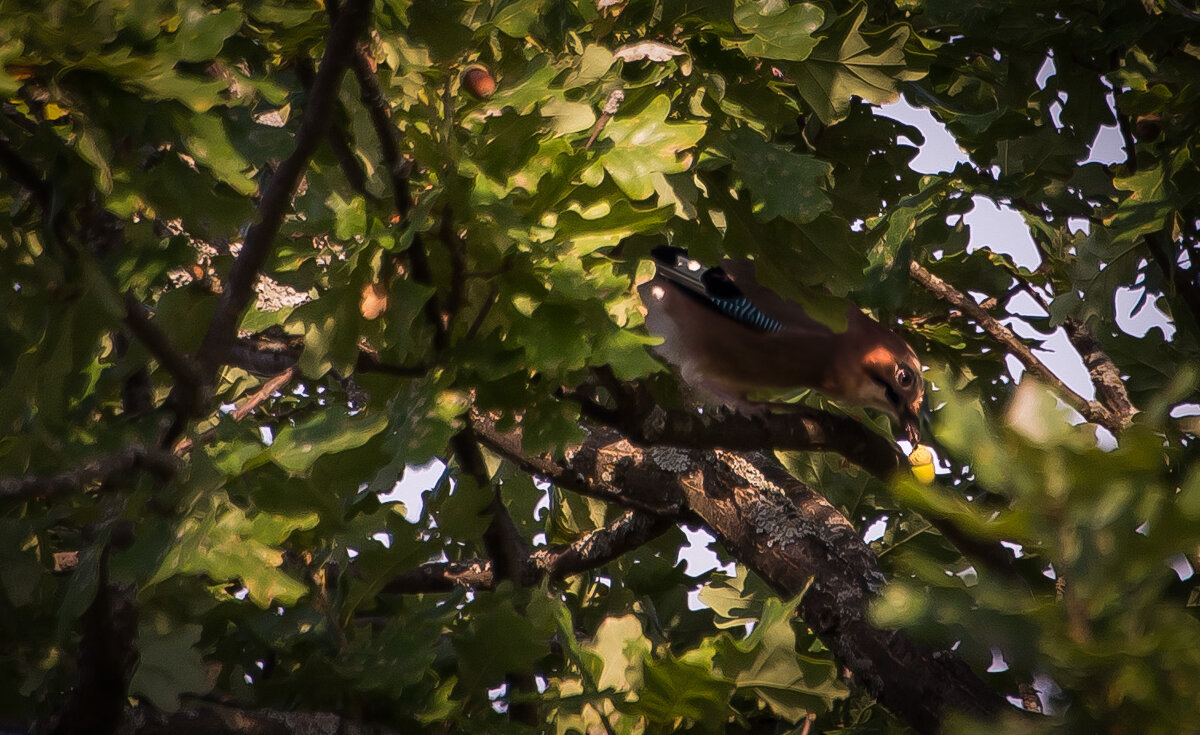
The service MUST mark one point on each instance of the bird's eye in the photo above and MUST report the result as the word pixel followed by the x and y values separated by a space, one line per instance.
pixel 905 378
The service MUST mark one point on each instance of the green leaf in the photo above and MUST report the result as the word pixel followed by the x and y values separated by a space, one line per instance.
pixel 198 95
pixel 851 62
pixel 208 142
pixel 202 33
pixel 168 663
pixel 687 687
pixel 644 143
pixel 296 448
pixel 767 665
pixel 783 183
pixel 516 17
pixel 588 228
pixel 779 30
pixel 590 66
pixel 330 332
pixel 500 640
pixel 568 117
pixel 94 148
pixel 217 539
pixel 10 48
pixel 19 567
pixel 621 650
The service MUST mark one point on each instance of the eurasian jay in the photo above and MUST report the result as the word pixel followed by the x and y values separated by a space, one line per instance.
pixel 727 335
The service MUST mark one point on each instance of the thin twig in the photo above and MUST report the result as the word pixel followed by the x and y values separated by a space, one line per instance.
pixel 594 549
pixel 173 360
pixel 1184 10
pixel 457 250
pixel 16 117
pixel 266 391
pixel 399 169
pixel 611 105
pixel 1091 410
pixel 353 170
pixel 655 500
pixel 488 302
pixel 808 721
pixel 241 411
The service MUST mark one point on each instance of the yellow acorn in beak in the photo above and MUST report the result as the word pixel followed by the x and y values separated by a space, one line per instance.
pixel 921 460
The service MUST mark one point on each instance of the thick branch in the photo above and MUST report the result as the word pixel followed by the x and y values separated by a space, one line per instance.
pixel 502 540
pixel 627 532
pixel 792 537
pixel 1091 410
pixel 239 287
pixel 507 550
pixel 798 428
pixel 107 657
pixel 647 492
pixel 162 464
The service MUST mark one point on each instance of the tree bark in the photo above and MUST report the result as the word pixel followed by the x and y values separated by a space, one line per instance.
pixel 795 540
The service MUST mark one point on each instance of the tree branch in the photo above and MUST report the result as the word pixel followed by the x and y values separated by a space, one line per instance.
pixel 271 354
pixel 799 428
pixel 182 369
pixel 792 537
pixel 353 170
pixel 457 250
pixel 399 168
pixel 266 391
pixel 276 195
pixel 107 657
pixel 1091 410
pixel 654 495
pixel 590 551
pixel 1104 373
pixel 159 463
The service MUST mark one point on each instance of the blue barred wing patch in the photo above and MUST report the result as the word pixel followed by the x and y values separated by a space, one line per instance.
pixel 711 287
pixel 742 311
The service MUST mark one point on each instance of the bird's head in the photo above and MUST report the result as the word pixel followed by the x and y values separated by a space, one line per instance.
pixel 896 384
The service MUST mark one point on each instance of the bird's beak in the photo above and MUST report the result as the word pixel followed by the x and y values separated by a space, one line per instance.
pixel 910 420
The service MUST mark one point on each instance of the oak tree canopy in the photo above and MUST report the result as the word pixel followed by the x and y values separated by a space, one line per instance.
pixel 260 260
